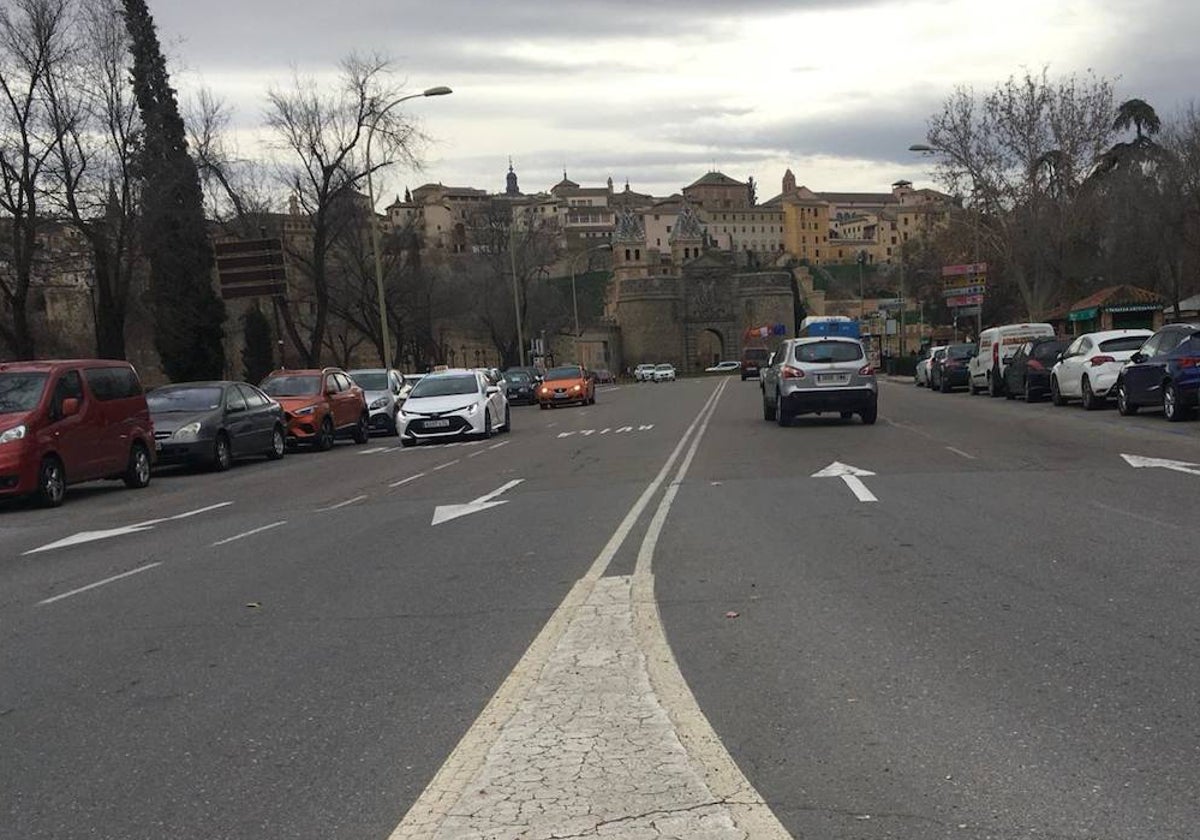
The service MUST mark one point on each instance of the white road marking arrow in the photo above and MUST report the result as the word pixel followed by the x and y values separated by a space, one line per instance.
pixel 444 513
pixel 1139 461
pixel 92 536
pixel 850 475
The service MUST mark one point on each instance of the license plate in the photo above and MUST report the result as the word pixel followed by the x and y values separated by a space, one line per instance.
pixel 437 424
pixel 560 396
pixel 832 378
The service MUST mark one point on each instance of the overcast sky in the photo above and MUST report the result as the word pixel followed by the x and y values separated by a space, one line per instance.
pixel 660 91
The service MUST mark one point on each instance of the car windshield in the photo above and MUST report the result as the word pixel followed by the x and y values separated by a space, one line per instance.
pixel 20 391
pixel 826 352
pixel 518 377
pixel 1126 343
pixel 1048 351
pixel 960 351
pixel 563 373
pixel 163 400
pixel 371 380
pixel 939 354
pixel 663 367
pixel 445 386
pixel 296 385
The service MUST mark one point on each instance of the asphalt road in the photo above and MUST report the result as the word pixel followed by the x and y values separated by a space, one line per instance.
pixel 1002 645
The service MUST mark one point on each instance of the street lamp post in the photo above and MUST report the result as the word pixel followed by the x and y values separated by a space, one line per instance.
pixel 440 90
pixel 574 296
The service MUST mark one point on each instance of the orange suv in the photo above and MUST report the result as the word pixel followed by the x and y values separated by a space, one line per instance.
pixel 319 405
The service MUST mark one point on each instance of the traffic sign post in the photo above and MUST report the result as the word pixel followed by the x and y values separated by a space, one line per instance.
pixel 964 287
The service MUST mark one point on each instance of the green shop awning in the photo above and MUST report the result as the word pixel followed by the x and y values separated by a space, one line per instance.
pixel 1084 314
pixel 1134 307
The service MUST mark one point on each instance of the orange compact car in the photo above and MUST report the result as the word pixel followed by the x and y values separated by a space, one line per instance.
pixel 319 405
pixel 567 384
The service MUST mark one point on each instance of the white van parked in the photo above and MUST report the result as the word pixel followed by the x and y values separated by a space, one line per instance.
pixel 997 345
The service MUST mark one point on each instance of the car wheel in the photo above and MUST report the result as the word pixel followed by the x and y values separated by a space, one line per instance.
pixel 52 482
pixel 1029 395
pixel 1172 409
pixel 768 409
pixel 325 435
pixel 362 430
pixel 1009 394
pixel 407 442
pixel 1124 407
pixel 870 415
pixel 1087 398
pixel 394 431
pixel 1056 396
pixel 222 454
pixel 507 419
pixel 137 473
pixel 278 444
pixel 781 415
pixel 944 385
pixel 994 388
pixel 543 406
pixel 487 424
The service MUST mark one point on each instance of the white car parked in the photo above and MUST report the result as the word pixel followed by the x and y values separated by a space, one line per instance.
pixel 997 346
pixel 724 367
pixel 643 373
pixel 1088 369
pixel 664 373
pixel 921 377
pixel 453 403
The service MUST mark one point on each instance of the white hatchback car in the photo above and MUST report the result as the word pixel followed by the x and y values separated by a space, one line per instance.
pixel 453 403
pixel 921 377
pixel 1088 369
pixel 664 373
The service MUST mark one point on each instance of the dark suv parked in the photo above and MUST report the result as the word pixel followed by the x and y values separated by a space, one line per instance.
pixel 1165 372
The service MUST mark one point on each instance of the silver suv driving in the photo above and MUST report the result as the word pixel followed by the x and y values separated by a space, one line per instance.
pixel 813 375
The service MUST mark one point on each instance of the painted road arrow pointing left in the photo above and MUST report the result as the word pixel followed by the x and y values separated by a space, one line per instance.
pixel 1140 461
pixel 444 513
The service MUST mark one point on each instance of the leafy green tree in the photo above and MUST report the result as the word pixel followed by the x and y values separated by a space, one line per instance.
pixel 188 314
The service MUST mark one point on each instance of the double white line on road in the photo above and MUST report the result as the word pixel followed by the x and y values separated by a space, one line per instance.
pixel 650 734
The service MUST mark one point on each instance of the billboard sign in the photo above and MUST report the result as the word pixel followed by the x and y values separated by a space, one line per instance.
pixel 250 268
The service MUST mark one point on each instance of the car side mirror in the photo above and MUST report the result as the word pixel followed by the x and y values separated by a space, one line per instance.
pixel 70 406
pixel 1138 357
pixel 493 389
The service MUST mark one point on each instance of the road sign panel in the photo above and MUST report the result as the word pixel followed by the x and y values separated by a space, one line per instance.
pixel 965 300
pixel 251 267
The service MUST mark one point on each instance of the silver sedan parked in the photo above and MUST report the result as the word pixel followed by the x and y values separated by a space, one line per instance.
pixel 815 375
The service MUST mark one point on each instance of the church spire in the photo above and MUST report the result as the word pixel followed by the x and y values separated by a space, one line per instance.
pixel 511 187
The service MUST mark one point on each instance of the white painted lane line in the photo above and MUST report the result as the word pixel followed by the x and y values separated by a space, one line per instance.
pixel 645 428
pixel 498 445
pixel 245 534
pixel 107 580
pixel 1148 519
pixel 624 429
pixel 92 536
pixel 371 451
pixel 404 481
pixel 447 464
pixel 565 434
pixel 454 778
pixel 966 455
pixel 199 511
pixel 392 449
pixel 340 505
pixel 859 489
pixel 1142 462
pixel 477 454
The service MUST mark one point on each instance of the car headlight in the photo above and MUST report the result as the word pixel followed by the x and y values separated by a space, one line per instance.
pixel 379 403
pixel 472 408
pixel 13 434
pixel 308 409
pixel 189 432
pixel 577 388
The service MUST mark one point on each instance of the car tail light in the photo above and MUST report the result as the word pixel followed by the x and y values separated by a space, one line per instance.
pixel 866 370
pixel 789 372
pixel 1034 364
pixel 1101 360
pixel 1189 362
pixel 996 354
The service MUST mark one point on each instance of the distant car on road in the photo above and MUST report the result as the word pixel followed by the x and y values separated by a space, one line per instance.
pixel 664 373
pixel 814 375
pixel 1028 373
pixel 724 367
pixel 754 359
pixel 565 385
pixel 453 403
pixel 643 373
pixel 1164 372
pixel 605 376
pixel 921 376
pixel 1090 366
pixel 954 367
pixel 520 386
pixel 384 391
pixel 320 405
pixel 213 423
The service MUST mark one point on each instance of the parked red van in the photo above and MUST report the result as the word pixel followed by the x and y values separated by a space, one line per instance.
pixel 63 422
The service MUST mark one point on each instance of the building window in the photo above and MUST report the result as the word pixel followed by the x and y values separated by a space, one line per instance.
pixel 627 257
pixel 637 253
pixel 668 228
pixel 658 242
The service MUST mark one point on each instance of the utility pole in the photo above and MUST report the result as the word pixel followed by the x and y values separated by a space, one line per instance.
pixel 512 253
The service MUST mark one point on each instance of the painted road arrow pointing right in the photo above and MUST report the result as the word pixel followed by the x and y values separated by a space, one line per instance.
pixel 850 475
pixel 445 513
pixel 1140 461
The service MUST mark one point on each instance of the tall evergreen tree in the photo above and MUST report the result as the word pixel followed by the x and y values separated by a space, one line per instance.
pixel 257 353
pixel 188 315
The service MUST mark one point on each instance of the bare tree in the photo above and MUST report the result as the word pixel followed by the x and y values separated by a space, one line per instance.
pixel 1020 151
pixel 34 39
pixel 97 186
pixel 324 135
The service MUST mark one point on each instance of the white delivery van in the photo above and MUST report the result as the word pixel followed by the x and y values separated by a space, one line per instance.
pixel 997 345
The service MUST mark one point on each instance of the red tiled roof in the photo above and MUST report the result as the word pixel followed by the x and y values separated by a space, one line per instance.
pixel 1122 295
